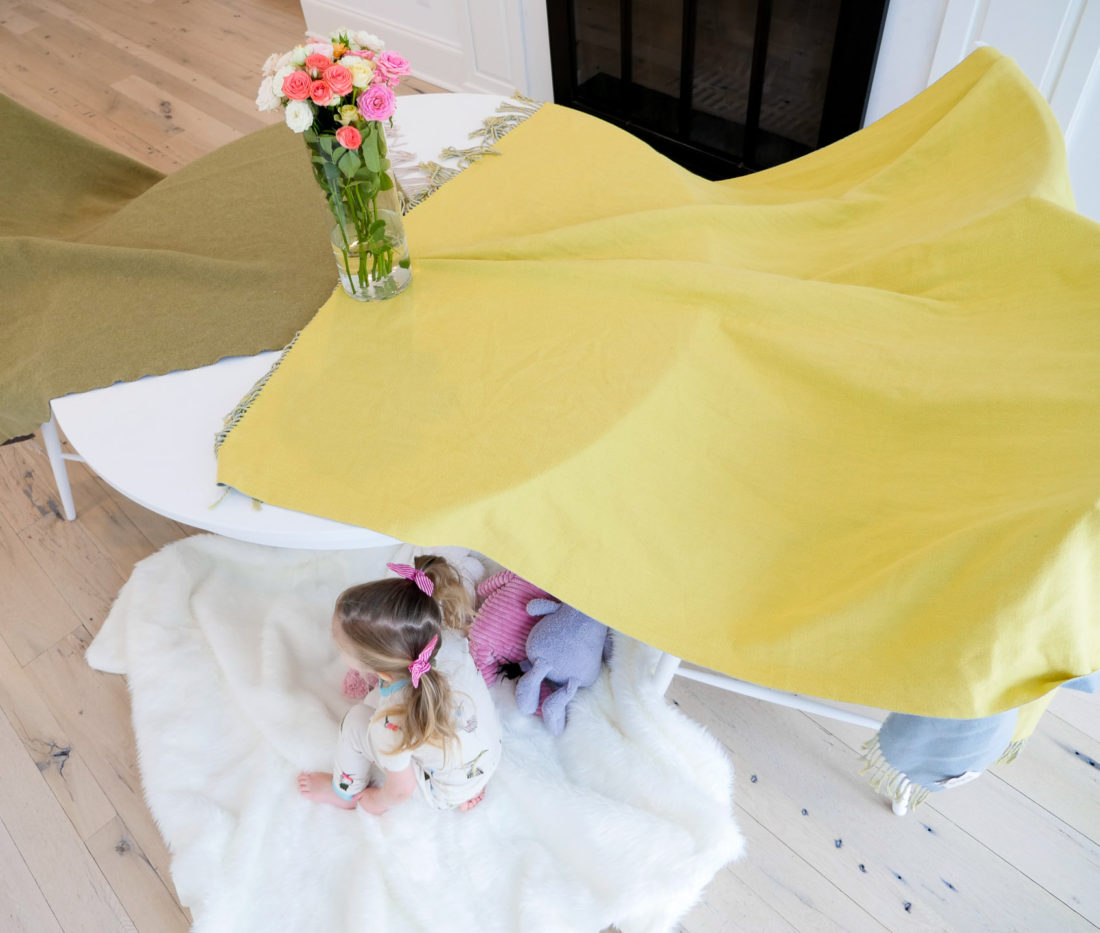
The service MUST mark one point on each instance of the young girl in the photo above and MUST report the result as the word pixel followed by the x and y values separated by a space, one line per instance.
pixel 430 724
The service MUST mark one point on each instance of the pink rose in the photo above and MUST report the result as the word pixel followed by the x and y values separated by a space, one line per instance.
pixel 338 78
pixel 318 63
pixel 377 102
pixel 392 64
pixel 349 137
pixel 320 93
pixel 296 85
pixel 360 53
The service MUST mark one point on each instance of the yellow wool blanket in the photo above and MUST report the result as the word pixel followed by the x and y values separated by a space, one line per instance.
pixel 833 428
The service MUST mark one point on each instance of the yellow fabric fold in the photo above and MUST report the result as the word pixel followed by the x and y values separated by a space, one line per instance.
pixel 833 428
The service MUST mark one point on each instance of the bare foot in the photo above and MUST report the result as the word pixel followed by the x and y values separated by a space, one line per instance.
pixel 472 802
pixel 317 786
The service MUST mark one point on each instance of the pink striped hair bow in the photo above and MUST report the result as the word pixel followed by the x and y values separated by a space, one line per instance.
pixel 422 665
pixel 421 579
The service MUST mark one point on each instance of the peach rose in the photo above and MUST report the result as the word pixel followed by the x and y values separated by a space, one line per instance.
pixel 338 78
pixel 318 63
pixel 296 85
pixel 349 137
pixel 320 93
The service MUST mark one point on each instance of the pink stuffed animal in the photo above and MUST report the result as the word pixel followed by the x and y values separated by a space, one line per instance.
pixel 356 686
pixel 498 635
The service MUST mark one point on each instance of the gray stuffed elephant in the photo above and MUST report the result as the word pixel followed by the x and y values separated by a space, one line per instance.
pixel 566 647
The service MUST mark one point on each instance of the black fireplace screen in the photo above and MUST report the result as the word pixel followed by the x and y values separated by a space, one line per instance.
pixel 724 87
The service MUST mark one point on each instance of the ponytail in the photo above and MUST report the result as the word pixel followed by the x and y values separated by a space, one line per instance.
pixel 389 623
pixel 449 591
pixel 428 712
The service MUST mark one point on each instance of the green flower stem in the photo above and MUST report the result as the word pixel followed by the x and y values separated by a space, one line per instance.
pixel 379 266
pixel 332 199
pixel 345 175
pixel 373 254
pixel 364 235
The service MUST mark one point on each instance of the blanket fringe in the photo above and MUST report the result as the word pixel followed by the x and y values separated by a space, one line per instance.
pixel 885 779
pixel 233 418
pixel 225 492
pixel 406 170
pixel 510 114
pixel 1011 753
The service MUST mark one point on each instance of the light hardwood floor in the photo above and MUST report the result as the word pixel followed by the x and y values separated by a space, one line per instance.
pixel 165 81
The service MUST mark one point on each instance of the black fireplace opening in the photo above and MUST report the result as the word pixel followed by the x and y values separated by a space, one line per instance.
pixel 723 87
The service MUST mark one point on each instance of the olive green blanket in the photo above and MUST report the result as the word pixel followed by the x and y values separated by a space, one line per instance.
pixel 112 271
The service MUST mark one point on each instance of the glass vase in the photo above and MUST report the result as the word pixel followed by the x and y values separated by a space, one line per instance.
pixel 371 252
pixel 368 236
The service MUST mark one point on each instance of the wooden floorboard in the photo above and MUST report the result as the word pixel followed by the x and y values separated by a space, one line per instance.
pixel 165 81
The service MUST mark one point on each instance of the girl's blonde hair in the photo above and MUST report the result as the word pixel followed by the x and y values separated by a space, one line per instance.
pixel 389 622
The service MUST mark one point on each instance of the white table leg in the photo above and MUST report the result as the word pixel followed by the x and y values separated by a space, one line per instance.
pixel 780 698
pixel 52 441
pixel 664 672
pixel 668 666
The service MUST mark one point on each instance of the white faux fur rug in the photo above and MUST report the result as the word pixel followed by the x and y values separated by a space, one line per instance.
pixel 235 684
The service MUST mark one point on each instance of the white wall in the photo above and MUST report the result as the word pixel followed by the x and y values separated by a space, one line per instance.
pixel 909 39
pixel 1056 43
pixel 480 46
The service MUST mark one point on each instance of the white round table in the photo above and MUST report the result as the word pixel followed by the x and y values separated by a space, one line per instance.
pixel 153 439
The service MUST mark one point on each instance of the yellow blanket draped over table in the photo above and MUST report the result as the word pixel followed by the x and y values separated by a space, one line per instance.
pixel 833 428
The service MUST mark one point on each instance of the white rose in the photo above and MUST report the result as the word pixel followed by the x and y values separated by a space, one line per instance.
pixel 267 99
pixel 298 55
pixel 370 41
pixel 279 77
pixel 299 115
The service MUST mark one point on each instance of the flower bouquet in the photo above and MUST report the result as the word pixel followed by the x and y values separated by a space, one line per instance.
pixel 336 92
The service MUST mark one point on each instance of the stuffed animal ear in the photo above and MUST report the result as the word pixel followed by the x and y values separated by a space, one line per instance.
pixel 542 607
pixel 497 581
